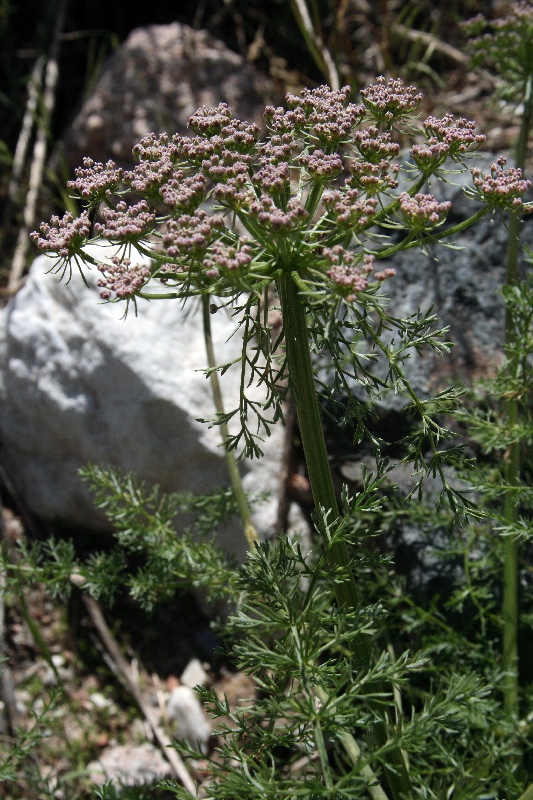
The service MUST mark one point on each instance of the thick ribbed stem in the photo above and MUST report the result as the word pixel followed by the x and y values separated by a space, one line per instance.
pixel 231 463
pixel 302 385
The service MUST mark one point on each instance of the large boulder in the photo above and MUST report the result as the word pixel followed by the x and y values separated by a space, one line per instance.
pixel 79 383
pixel 154 82
pixel 462 284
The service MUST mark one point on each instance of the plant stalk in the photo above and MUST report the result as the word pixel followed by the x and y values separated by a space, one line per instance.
pixel 250 532
pixel 302 384
pixel 512 457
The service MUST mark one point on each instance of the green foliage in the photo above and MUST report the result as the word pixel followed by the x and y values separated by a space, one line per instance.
pixel 488 425
pixel 19 753
pixel 150 559
pixel 113 791
pixel 505 45
pixel 294 739
pixel 285 632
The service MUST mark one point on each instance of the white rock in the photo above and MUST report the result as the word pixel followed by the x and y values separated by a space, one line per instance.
pixel 187 715
pixel 100 702
pixel 131 765
pixel 194 674
pixel 78 383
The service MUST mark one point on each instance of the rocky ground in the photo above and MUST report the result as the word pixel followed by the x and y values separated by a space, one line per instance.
pixel 114 690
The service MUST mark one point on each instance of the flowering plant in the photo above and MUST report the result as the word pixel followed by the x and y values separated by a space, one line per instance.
pixel 307 199
pixel 505 44
pixel 307 211
pixel 225 215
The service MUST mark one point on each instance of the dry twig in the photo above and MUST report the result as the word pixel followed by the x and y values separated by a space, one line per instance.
pixel 39 151
pixel 24 136
pixel 124 672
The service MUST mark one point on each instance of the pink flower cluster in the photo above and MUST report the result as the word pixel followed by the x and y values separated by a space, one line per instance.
pixel 328 113
pixel 504 43
pixel 326 173
pixel 272 178
pixel 374 178
pixel 224 257
pixel 208 121
pixel 347 273
pixel 277 148
pixel 63 236
pixel 347 210
pixel 321 166
pixel 184 193
pixel 95 181
pixel 422 211
pixel 126 223
pixel 121 278
pixel 458 135
pixel 429 157
pixel 191 234
pixel 390 101
pixel 375 146
pixel 272 218
pixel 500 188
pixel 158 156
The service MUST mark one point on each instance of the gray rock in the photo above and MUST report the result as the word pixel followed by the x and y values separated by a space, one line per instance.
pixel 80 384
pixel 154 82
pixel 463 285
pixel 129 765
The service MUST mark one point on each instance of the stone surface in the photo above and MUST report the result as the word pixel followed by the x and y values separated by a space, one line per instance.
pixel 463 285
pixel 189 722
pixel 154 82
pixel 129 765
pixel 194 674
pixel 80 384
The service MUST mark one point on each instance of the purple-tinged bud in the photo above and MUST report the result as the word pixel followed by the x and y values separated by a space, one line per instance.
pixel 96 181
pixel 390 101
pixel 65 236
pixel 500 188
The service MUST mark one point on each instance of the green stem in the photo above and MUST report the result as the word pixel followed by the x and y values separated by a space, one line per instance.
pixel 512 457
pixel 353 751
pixel 302 385
pixel 422 241
pixel 528 794
pixel 231 463
pixel 309 417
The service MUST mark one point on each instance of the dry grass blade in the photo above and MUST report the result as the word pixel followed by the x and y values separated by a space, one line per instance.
pixel 25 134
pixel 51 75
pixel 7 689
pixel 431 41
pixel 316 46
